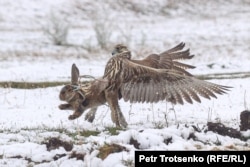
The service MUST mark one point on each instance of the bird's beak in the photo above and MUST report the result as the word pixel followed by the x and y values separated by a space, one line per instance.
pixel 113 52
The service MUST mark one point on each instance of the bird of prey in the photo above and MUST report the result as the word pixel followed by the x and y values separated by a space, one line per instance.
pixel 157 77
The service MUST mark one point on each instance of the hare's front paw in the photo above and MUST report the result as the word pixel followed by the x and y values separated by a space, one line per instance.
pixel 64 106
pixel 72 117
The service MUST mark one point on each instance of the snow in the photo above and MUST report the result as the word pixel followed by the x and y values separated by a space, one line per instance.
pixel 28 117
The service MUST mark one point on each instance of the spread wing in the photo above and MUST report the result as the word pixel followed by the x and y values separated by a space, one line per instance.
pixel 145 84
pixel 169 60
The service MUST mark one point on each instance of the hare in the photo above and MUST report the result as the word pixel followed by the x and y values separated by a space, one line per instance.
pixel 77 99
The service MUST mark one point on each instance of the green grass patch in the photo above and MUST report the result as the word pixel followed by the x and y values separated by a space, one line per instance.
pixel 113 130
pixel 87 133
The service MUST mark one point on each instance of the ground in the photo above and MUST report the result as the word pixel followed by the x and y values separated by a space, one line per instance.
pixel 34 132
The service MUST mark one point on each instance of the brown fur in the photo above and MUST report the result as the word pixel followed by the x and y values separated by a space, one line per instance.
pixel 79 97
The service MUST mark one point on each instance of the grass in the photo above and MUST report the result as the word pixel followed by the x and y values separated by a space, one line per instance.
pixel 107 149
pixel 87 133
pixel 79 139
pixel 30 85
pixel 128 162
pixel 231 75
pixel 33 85
pixel 72 134
pixel 113 130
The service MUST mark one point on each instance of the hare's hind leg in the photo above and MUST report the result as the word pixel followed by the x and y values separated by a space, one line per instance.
pixel 75 115
pixel 90 116
pixel 78 110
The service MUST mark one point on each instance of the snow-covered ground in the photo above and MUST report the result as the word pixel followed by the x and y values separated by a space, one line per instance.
pixel 217 32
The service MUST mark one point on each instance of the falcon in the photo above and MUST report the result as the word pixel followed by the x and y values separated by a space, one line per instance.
pixel 156 78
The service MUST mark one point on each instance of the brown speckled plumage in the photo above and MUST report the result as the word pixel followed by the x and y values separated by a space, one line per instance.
pixel 157 77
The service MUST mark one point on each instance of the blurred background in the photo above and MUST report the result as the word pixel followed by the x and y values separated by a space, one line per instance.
pixel 54 34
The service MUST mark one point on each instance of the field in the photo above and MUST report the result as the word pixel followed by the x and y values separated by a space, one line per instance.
pixel 40 40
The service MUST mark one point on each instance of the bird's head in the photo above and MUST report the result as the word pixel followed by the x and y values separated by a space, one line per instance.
pixel 119 48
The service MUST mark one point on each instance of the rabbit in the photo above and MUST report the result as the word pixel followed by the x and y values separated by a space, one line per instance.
pixel 78 100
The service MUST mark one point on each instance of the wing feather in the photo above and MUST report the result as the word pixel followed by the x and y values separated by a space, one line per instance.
pixel 182 65
pixel 203 88
pixel 178 96
pixel 186 95
pixel 142 99
pixel 140 83
pixel 176 48
pixel 131 95
pixel 165 60
pixel 152 85
pixel 170 97
pixel 148 93
pixel 193 94
pixel 158 92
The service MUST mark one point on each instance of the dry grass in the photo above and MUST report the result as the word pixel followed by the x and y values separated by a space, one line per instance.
pixel 107 149
pixel 29 85
pixel 56 29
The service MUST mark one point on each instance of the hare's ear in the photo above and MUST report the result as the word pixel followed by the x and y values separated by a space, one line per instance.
pixel 74 74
